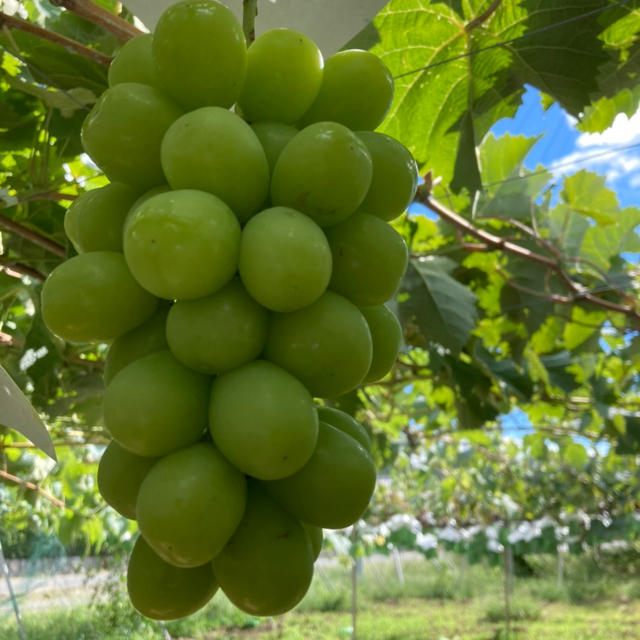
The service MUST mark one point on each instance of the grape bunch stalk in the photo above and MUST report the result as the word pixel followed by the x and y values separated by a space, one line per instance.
pixel 238 263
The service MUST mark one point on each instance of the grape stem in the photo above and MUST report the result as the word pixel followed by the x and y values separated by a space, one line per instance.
pixel 90 11
pixel 20 230
pixel 249 13
pixel 12 22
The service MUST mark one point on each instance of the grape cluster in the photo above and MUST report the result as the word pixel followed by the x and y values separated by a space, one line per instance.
pixel 238 263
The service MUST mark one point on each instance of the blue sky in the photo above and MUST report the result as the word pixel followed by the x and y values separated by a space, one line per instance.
pixel 562 144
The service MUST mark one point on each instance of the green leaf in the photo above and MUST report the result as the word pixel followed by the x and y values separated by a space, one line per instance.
pixel 585 193
pixel 601 114
pixel 556 365
pixel 443 310
pixel 17 413
pixel 576 455
pixel 505 370
pixel 601 244
pixel 510 189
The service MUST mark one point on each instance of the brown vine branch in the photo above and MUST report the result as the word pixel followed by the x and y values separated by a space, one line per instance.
pixel 48 195
pixel 71 45
pixel 249 13
pixel 100 17
pixel 18 269
pixel 577 291
pixel 483 17
pixel 33 487
pixel 33 236
pixel 57 445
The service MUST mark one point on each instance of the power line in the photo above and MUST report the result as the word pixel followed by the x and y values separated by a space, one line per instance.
pixel 516 39
pixel 568 163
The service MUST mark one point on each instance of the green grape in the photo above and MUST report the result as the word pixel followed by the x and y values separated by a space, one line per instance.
pixel 182 244
pixel 386 336
pixel 155 405
pixel 356 91
pixel 94 221
pixel 284 73
pixel 137 343
pixel 274 137
pixel 214 150
pixel 369 259
pixel 190 504
pixel 326 345
pixel 395 176
pixel 200 54
pixel 134 62
pixel 161 591
pixel 123 131
pixel 154 191
pixel 315 536
pixel 267 566
pixel 263 420
pixel 120 474
pixel 324 171
pixel 93 296
pixel 285 260
pixel 344 422
pixel 219 332
pixel 334 488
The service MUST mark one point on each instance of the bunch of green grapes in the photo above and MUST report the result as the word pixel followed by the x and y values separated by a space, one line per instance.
pixel 238 262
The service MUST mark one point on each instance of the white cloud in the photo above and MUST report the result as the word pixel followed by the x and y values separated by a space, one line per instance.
pixel 601 152
pixel 623 131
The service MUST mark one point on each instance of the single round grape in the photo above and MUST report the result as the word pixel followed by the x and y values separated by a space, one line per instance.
pixel 134 62
pixel 347 424
pixel 200 54
pixel 123 131
pixel 326 345
pixel 267 566
pixel 137 343
pixel 263 420
pixel 161 591
pixel 356 91
pixel 369 259
pixel 334 488
pixel 395 176
pixel 214 150
pixel 285 260
pixel 284 74
pixel 190 504
pixel 120 474
pixel 93 296
pixel 325 171
pixel 95 219
pixel 274 137
pixel 219 332
pixel 155 405
pixel 386 336
pixel 182 244
pixel 315 536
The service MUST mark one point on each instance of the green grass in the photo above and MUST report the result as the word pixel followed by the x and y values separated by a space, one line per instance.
pixel 436 602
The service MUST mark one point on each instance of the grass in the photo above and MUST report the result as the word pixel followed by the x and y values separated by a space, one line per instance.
pixel 436 601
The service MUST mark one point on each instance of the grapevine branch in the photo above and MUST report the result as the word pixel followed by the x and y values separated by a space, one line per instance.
pixel 249 13
pixel 33 236
pixel 90 11
pixel 12 22
pixel 12 267
pixel 576 291
pixel 483 17
pixel 33 487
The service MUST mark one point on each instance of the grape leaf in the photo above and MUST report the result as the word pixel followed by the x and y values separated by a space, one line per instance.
pixel 442 308
pixel 17 413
